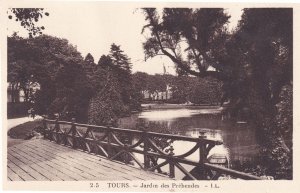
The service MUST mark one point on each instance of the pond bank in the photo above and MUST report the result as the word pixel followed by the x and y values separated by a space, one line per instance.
pixel 178 106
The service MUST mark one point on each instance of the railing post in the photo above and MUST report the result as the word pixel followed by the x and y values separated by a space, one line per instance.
pixel 202 148
pixel 171 163
pixel 109 140
pixel 126 156
pixel 146 148
pixel 202 155
pixel 56 127
pixel 73 128
pixel 52 132
pixel 44 127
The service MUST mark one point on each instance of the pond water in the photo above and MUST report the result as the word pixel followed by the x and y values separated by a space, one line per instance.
pixel 239 139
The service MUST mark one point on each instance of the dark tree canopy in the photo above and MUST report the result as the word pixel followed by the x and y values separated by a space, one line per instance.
pixel 189 37
pixel 104 62
pixel 115 94
pixel 28 17
pixel 258 57
pixel 89 59
pixel 140 81
pixel 119 59
pixel 89 67
pixel 73 92
pixel 266 39
pixel 56 66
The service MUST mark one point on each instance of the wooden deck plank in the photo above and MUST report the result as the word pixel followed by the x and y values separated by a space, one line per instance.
pixel 20 172
pixel 57 166
pixel 38 166
pixel 79 165
pixel 44 160
pixel 89 174
pixel 65 168
pixel 64 165
pixel 27 168
pixel 12 176
pixel 110 164
pixel 47 166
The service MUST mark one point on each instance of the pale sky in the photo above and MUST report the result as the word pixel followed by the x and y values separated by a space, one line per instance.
pixel 94 27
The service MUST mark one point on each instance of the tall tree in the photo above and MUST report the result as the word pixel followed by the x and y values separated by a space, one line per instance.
pixel 122 69
pixel 89 67
pixel 267 36
pixel 25 72
pixel 188 37
pixel 119 59
pixel 73 92
pixel 38 60
pixel 106 105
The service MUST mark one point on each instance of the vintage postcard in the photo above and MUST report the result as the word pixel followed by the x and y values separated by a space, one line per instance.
pixel 149 96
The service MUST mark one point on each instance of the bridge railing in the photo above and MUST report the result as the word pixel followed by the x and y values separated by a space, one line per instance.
pixel 124 144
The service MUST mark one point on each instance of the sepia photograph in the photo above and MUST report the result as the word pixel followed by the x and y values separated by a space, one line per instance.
pixel 165 95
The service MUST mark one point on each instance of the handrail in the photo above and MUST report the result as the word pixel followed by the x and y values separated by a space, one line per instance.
pixel 110 145
pixel 153 134
pixel 232 172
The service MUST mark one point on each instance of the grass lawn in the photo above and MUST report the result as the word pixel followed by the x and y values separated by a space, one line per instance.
pixel 23 130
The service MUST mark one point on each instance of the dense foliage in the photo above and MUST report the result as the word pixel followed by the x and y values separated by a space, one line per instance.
pixel 179 89
pixel 115 94
pixel 206 91
pixel 57 80
pixel 268 60
pixel 189 37
pixel 254 63
pixel 106 106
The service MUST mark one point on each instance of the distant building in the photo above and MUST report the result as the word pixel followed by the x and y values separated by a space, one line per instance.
pixel 16 95
pixel 13 95
pixel 159 95
pixel 147 95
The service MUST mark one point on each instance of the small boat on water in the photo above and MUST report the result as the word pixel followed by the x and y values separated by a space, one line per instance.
pixel 218 159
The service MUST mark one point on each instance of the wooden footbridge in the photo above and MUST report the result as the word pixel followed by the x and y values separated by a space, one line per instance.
pixel 70 151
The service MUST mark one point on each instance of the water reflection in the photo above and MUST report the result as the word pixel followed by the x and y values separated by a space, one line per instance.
pixel 172 114
pixel 239 140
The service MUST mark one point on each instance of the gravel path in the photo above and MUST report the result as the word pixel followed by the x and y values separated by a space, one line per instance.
pixel 13 123
pixel 18 121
